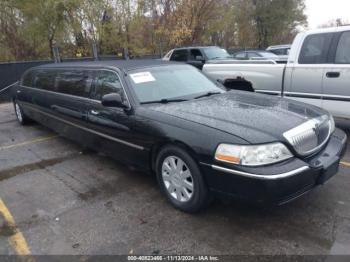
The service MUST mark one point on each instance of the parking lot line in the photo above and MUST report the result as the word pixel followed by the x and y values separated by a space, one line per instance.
pixel 346 164
pixel 37 140
pixel 16 238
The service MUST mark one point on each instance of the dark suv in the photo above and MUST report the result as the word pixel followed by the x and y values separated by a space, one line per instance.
pixel 197 56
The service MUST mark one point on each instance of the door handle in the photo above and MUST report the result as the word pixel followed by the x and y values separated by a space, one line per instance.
pixel 333 74
pixel 93 112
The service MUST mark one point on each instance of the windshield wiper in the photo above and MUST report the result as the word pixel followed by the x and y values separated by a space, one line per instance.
pixel 164 101
pixel 208 94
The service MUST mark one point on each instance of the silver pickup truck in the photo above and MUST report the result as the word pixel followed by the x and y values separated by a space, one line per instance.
pixel 317 71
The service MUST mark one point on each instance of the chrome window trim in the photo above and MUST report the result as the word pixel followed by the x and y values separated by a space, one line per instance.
pixel 88 129
pixel 262 177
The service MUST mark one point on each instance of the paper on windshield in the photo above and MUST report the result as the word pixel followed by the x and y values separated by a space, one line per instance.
pixel 142 77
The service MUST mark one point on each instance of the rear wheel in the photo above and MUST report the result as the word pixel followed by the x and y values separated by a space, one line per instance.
pixel 180 179
pixel 21 117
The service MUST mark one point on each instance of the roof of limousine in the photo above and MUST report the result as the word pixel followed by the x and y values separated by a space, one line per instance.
pixel 121 64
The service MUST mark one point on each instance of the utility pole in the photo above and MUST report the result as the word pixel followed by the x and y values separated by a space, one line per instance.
pixel 160 47
pixel 94 51
pixel 126 53
pixel 56 52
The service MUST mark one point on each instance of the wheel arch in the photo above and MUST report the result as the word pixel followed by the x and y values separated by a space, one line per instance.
pixel 158 147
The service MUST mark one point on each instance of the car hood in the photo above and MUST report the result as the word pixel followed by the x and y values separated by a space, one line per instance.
pixel 256 118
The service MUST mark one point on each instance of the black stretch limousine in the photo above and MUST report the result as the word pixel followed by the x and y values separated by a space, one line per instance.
pixel 199 139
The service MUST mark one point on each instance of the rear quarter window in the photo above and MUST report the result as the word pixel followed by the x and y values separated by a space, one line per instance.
pixel 28 79
pixel 315 49
pixel 343 50
pixel 45 79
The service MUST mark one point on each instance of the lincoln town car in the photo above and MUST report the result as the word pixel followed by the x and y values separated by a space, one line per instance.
pixel 199 139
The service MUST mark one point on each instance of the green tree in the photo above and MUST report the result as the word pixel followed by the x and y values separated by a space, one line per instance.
pixel 277 20
pixel 245 31
pixel 14 41
pixel 30 28
pixel 45 19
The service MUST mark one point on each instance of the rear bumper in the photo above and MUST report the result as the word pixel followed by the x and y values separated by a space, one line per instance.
pixel 280 183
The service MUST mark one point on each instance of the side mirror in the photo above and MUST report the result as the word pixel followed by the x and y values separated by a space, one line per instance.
pixel 200 58
pixel 113 100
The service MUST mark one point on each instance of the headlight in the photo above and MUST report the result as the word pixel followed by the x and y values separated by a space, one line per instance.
pixel 252 155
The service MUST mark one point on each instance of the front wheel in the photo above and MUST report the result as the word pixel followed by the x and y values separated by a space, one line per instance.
pixel 21 117
pixel 180 179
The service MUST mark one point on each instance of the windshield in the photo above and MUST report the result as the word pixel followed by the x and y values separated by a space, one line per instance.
pixel 216 53
pixel 170 82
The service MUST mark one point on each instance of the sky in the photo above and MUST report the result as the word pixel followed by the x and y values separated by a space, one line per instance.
pixel 321 11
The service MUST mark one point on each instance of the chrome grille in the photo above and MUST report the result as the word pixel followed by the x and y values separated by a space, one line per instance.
pixel 311 135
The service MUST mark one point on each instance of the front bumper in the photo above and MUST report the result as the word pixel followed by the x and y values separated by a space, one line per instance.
pixel 279 183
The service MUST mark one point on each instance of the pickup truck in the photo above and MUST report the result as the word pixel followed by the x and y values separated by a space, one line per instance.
pixel 317 71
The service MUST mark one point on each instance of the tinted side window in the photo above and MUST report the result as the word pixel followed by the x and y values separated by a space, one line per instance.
pixel 343 51
pixel 45 79
pixel 74 82
pixel 179 55
pixel 28 79
pixel 315 49
pixel 107 82
pixel 194 53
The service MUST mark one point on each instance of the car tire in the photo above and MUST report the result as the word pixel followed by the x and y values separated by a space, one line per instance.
pixel 180 179
pixel 21 117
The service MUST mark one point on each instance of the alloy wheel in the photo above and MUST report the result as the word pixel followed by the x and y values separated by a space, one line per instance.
pixel 18 113
pixel 177 178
